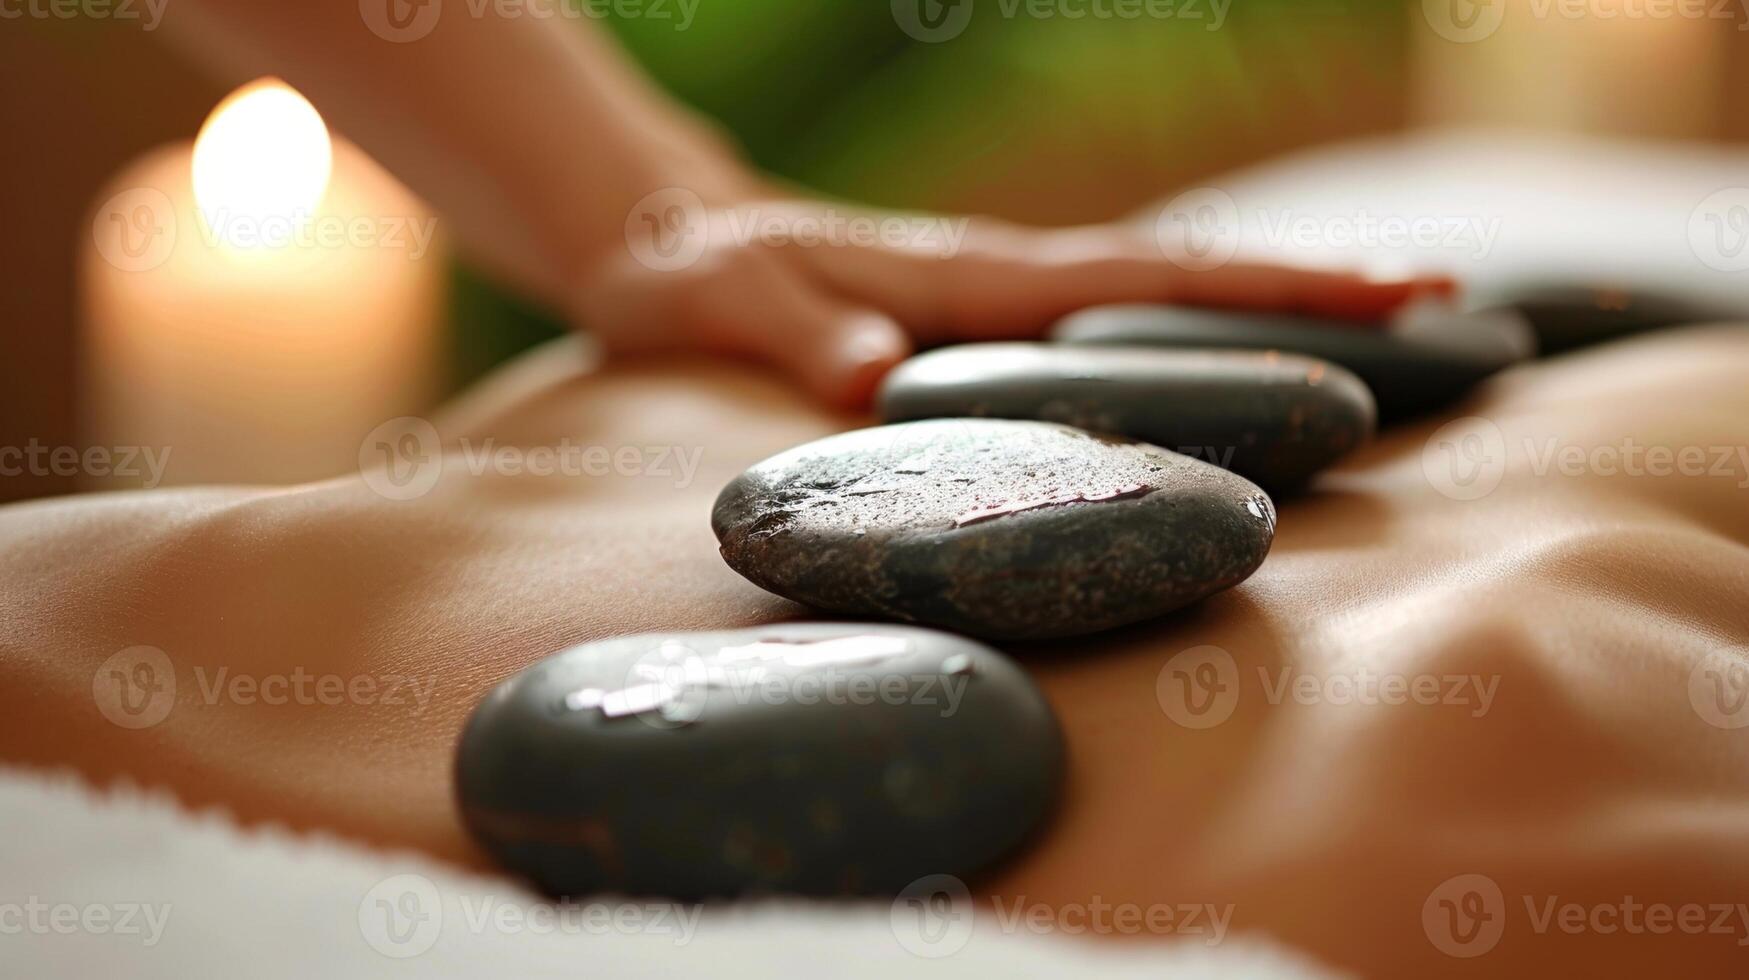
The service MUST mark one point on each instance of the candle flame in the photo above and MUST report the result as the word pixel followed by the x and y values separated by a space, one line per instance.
pixel 263 154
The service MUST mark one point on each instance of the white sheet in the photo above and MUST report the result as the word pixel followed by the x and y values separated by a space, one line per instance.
pixel 127 884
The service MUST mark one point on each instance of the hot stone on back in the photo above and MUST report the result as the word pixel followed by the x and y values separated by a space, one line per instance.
pixel 818 759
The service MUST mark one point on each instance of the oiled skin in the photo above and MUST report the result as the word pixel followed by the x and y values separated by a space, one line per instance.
pixel 1589 598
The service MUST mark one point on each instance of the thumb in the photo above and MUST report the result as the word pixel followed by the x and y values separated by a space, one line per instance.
pixel 839 351
pixel 858 348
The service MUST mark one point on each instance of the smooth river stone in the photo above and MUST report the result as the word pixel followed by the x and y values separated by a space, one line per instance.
pixel 989 527
pixel 1427 358
pixel 1567 317
pixel 1273 418
pixel 811 758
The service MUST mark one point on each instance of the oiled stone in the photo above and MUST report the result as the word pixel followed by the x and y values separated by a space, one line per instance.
pixel 992 527
pixel 1426 359
pixel 809 758
pixel 1276 419
pixel 1568 316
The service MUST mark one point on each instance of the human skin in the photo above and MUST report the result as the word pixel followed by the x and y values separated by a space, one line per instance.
pixel 1586 600
pixel 541 146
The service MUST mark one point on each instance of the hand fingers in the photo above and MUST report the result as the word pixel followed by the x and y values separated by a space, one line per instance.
pixel 841 352
pixel 1009 282
pixel 1343 296
pixel 747 301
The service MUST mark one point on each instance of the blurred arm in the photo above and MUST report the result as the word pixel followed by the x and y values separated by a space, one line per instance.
pixel 533 135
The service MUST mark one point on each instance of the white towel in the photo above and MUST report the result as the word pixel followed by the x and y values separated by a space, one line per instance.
pixel 129 884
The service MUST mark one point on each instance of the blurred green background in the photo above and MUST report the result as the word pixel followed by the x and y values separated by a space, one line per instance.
pixel 1050 120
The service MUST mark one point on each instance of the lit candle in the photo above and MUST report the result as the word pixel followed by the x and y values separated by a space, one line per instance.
pixel 256 302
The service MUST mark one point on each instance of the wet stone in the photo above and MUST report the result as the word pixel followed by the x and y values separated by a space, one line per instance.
pixel 1427 358
pixel 996 528
pixel 810 758
pixel 1276 419
pixel 1569 316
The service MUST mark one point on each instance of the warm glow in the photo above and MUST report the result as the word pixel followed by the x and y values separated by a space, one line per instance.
pixel 263 155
